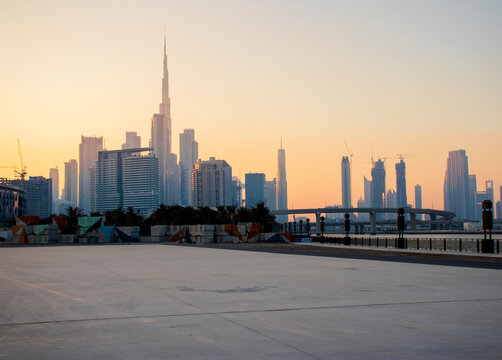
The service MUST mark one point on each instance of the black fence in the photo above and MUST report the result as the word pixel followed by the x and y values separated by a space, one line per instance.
pixel 431 244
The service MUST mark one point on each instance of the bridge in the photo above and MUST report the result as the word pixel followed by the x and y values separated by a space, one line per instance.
pixel 432 213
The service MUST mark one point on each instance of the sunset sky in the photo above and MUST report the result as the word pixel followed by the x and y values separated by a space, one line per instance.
pixel 402 77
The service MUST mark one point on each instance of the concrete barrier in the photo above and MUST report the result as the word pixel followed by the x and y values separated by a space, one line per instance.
pixel 158 230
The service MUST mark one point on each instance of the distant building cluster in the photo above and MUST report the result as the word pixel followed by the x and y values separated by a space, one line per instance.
pixel 142 178
pixel 461 195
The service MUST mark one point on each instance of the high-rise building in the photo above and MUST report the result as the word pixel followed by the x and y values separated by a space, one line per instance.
pixel 473 189
pixel 70 181
pixel 367 192
pixel 481 196
pixel 391 199
pixel 499 208
pixel 237 192
pixel 93 174
pixel 13 202
pixel 169 174
pixel 255 189
pixel 88 155
pixel 346 189
pixel 133 141
pixel 402 200
pixel 391 202
pixel 159 145
pixel 38 195
pixel 270 194
pixel 378 184
pixel 140 183
pixel 126 179
pixel 211 183
pixel 54 175
pixel 189 152
pixel 418 199
pixel 456 184
pixel 173 180
pixel 282 184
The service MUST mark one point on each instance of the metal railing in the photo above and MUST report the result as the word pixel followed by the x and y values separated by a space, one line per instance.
pixel 432 244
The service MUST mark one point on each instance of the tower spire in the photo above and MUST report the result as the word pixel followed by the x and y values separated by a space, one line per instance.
pixel 165 83
pixel 165 105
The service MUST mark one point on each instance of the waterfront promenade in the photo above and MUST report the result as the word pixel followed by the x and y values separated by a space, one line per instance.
pixel 187 302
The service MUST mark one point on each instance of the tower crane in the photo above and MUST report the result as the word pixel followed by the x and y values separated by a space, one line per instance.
pixel 404 156
pixel 22 173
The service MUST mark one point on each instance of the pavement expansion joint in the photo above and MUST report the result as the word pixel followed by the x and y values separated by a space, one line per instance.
pixel 235 312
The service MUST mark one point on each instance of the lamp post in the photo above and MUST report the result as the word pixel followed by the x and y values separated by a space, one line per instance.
pixel 487 245
pixel 400 228
pixel 346 224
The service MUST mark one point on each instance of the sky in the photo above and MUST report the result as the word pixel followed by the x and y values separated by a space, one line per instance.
pixel 419 78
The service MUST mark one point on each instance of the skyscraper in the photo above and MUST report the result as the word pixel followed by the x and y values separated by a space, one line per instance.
pixel 391 202
pixel 473 189
pixel 159 145
pixel 189 152
pixel 88 155
pixel 391 199
pixel 270 194
pixel 169 175
pixel 418 199
pixel 133 141
pixel 498 206
pixel 282 184
pixel 126 179
pixel 402 200
pixel 481 196
pixel 212 183
pixel 237 192
pixel 140 183
pixel 255 189
pixel 378 184
pixel 346 189
pixel 54 175
pixel 173 180
pixel 38 195
pixel 456 184
pixel 70 181
pixel 367 192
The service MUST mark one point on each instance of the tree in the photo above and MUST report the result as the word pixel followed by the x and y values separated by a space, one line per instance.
pixel 187 215
pixel 262 214
pixel 72 214
pixel 119 217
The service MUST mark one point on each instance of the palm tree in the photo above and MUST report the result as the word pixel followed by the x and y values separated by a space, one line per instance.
pixel 262 214
pixel 72 215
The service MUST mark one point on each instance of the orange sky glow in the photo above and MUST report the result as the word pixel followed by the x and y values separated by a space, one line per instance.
pixel 397 77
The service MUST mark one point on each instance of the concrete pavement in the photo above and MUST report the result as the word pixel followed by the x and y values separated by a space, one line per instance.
pixel 180 302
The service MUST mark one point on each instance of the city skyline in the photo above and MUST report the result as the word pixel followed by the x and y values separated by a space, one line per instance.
pixel 460 110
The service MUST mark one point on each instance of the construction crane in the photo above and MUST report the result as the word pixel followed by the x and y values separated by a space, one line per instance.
pixel 22 173
pixel 349 152
pixel 404 156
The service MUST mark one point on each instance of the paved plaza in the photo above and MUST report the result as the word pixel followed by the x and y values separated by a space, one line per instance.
pixel 187 302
